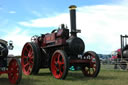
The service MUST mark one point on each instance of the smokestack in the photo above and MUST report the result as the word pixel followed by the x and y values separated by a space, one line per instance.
pixel 73 20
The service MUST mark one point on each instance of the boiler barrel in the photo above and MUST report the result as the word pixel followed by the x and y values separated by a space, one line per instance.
pixel 75 46
pixel 125 53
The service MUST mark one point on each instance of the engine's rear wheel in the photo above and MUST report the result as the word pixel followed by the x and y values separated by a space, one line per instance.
pixel 91 69
pixel 15 71
pixel 30 59
pixel 59 64
pixel 38 58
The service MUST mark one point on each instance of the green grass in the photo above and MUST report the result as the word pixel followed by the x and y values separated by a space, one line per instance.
pixel 105 77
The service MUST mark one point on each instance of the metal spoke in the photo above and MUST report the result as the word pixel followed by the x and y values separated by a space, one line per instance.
pixel 26 65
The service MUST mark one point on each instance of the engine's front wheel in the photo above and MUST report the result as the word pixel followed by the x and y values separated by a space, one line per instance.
pixel 123 65
pixel 59 64
pixel 92 68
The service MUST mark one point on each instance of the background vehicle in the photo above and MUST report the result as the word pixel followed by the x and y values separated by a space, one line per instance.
pixel 8 63
pixel 122 53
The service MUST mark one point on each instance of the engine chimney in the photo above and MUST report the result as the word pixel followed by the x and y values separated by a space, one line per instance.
pixel 73 20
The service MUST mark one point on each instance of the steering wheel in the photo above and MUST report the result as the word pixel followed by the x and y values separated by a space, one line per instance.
pixel 34 38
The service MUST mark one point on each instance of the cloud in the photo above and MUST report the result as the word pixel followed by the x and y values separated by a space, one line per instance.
pixel 12 12
pixel 47 22
pixel 101 25
pixel 19 38
pixel 124 2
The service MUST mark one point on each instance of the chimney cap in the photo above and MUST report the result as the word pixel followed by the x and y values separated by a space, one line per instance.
pixel 72 7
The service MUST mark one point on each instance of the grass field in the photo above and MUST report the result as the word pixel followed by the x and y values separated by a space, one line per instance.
pixel 105 77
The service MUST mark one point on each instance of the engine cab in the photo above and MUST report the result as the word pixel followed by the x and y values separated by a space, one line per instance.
pixel 56 38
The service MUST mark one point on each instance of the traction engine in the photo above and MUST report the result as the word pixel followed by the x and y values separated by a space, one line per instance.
pixel 122 53
pixel 8 63
pixel 58 51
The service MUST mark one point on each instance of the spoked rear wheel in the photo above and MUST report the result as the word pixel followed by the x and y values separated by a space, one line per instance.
pixel 15 71
pixel 30 59
pixel 59 64
pixel 93 67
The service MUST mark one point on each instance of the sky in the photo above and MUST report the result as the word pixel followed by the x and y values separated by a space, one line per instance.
pixel 101 21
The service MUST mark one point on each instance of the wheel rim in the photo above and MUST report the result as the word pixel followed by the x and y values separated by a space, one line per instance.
pixel 27 59
pixel 91 68
pixel 57 65
pixel 13 71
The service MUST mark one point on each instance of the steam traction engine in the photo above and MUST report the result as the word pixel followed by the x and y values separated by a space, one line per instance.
pixel 58 51
pixel 122 54
pixel 9 64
